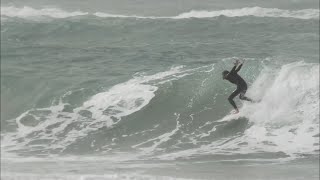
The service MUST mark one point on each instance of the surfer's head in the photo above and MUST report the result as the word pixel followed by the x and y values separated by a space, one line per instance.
pixel 224 74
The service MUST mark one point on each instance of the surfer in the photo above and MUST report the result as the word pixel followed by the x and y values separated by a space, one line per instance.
pixel 234 78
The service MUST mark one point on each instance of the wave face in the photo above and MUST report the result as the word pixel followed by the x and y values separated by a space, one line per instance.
pixel 61 125
pixel 285 120
pixel 29 13
pixel 103 96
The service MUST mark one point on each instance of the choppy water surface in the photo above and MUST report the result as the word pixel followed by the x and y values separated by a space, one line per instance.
pixel 126 94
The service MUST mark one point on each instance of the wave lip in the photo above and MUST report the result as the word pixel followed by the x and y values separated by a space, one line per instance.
pixel 29 12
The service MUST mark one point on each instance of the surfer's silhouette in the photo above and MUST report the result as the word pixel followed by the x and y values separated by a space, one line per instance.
pixel 234 78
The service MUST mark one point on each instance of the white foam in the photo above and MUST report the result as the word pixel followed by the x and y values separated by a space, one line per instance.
pixel 83 176
pixel 160 139
pixel 254 11
pixel 104 109
pixel 32 13
pixel 29 12
pixel 288 115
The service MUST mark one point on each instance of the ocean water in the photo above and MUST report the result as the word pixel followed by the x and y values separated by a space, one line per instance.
pixel 133 89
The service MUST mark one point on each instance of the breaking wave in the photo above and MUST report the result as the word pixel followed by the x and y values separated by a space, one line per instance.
pixel 285 120
pixel 31 13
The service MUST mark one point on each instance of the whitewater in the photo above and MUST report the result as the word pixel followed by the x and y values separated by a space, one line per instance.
pixel 93 94
pixel 29 12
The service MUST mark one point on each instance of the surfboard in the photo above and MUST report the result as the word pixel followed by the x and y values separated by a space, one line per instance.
pixel 232 116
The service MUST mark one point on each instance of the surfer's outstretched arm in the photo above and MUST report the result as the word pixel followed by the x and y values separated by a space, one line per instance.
pixel 235 69
pixel 239 67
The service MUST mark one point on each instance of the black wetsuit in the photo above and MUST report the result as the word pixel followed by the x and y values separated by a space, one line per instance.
pixel 234 78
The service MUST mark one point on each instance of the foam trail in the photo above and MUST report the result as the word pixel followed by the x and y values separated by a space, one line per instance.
pixel 160 139
pixel 31 13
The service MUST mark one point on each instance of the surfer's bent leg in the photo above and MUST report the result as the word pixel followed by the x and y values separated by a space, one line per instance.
pixel 243 97
pixel 230 98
